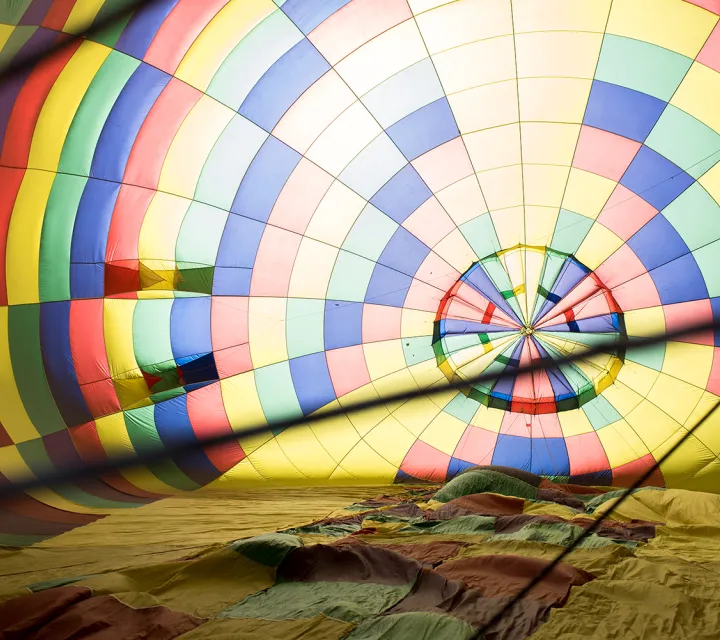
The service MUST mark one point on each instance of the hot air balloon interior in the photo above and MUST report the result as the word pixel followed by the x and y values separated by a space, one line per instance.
pixel 244 219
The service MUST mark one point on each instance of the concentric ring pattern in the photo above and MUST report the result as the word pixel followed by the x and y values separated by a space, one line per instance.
pixel 227 212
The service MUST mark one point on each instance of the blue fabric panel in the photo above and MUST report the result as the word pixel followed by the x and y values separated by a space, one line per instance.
pixel 388 287
pixel 404 252
pixel 92 222
pixel 343 324
pixel 479 280
pixel 402 194
pixel 123 124
pixel 231 281
pixel 512 451
pixel 424 129
pixel 597 324
pixel 549 457
pixel 715 304
pixel 240 242
pixel 87 280
pixel 143 27
pixel 655 179
pixel 657 243
pixel 174 428
pixel 282 84
pixel 264 180
pixel 463 327
pixel 311 379
pixel 308 14
pixel 680 281
pixel 58 363
pixel 558 381
pixel 623 111
pixel 190 327
pixel 571 274
pixel 457 466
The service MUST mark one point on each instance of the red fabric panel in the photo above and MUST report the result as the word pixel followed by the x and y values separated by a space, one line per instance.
pixel 130 208
pixel 627 474
pixel 58 14
pixel 208 418
pixel 157 133
pixel 10 179
pixel 30 100
pixel 179 31
pixel 87 343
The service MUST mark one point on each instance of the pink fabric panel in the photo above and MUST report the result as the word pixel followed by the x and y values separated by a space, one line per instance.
pixel 437 273
pixel 586 454
pixel 426 462
pixel 274 262
pixel 713 385
pixel 470 299
pixel 429 222
pixel 380 323
pixel 582 292
pixel 300 197
pixel 604 153
pixel 423 297
pixel 348 370
pixel 678 315
pixel 626 213
pixel 627 474
pixel 230 335
pixel 356 23
pixel 444 165
pixel 638 293
pixel 710 54
pixel 516 424
pixel 127 218
pixel 620 267
pixel 476 445
pixel 546 425
pixel 710 5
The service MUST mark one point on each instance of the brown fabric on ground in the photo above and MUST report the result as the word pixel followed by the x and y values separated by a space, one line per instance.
pixel 636 530
pixel 506 575
pixel 434 593
pixel 480 504
pixel 353 562
pixel 429 552
pixel 511 524
pixel 560 497
pixel 69 613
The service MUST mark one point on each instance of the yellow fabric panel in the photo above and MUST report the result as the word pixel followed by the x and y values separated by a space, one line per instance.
pixel 599 244
pixel 561 15
pixel 688 362
pixel 160 229
pixel 266 327
pixel 312 269
pixel 273 464
pixel 384 358
pixel 547 509
pixel 416 414
pixel 444 433
pixel 574 422
pixel 336 435
pixel 191 146
pixel 566 54
pixel 711 182
pixel 675 397
pixel 236 19
pixel 621 443
pixel 62 102
pixel 5 33
pixel 540 225
pixel 22 254
pixel 587 193
pixel 643 323
pixel 416 323
pixel 335 215
pixel 243 408
pixel 553 99
pixel 544 185
pixel 364 421
pixel 13 416
pixel 391 440
pixel 622 397
pixel 658 22
pixel 549 142
pixel 306 453
pixel 502 188
pixel 82 15
pixel 455 250
pixel 364 462
pixel 487 418
pixel 12 465
pixel 652 424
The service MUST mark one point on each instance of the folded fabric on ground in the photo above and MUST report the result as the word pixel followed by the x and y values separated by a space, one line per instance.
pixel 421 562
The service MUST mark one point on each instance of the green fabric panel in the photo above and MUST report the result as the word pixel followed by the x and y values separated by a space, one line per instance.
pixel 15 42
pixel 485 480
pixel 277 392
pixel 468 525
pixel 560 534
pixel 268 549
pixel 370 233
pixel 249 60
pixel 56 238
pixel 417 350
pixel 650 356
pixel 28 369
pixel 12 10
pixel 415 625
pixel 140 424
pixel 12 540
pixel 695 215
pixel 708 258
pixel 151 336
pixel 690 144
pixel 347 601
pixel 600 412
pixel 462 407
pixel 641 66
pixel 36 457
pixel 200 234
pixel 329 530
pixel 570 230
pixel 110 34
pixel 228 161
pixel 481 236
pixel 305 325
pixel 350 278
pixel 79 147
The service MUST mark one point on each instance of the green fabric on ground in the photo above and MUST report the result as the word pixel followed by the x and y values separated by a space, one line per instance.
pixel 485 482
